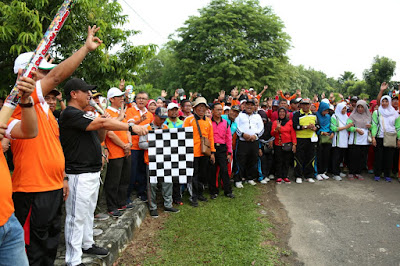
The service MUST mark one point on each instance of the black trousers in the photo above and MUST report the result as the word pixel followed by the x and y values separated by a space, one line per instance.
pixel 221 160
pixel 304 158
pixel 200 176
pixel 395 165
pixel 337 158
pixel 247 159
pixel 357 158
pixel 323 157
pixel 117 182
pixel 267 160
pixel 383 159
pixel 282 161
pixel 44 223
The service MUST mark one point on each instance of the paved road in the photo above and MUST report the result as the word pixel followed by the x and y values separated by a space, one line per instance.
pixel 344 223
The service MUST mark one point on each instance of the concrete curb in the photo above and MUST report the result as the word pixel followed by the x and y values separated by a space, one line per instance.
pixel 117 233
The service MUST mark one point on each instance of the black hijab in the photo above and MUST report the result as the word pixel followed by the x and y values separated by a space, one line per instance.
pixel 284 120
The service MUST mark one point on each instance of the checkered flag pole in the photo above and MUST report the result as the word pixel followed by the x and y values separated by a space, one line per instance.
pixel 171 155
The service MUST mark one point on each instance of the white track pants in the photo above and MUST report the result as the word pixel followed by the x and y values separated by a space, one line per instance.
pixel 80 207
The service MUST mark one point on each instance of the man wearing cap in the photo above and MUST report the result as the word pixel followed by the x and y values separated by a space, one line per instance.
pixel 275 106
pixel 119 159
pixel 250 128
pixel 199 121
pixel 51 99
pixel 294 106
pixel 12 244
pixel 160 116
pixel 174 122
pixel 38 185
pixel 80 136
pixel 139 115
pixel 305 123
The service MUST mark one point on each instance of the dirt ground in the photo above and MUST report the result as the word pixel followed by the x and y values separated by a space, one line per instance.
pixel 145 243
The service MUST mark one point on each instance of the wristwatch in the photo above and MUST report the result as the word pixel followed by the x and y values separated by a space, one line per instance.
pixel 131 129
pixel 27 105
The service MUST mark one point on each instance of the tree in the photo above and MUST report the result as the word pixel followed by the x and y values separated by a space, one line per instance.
pixel 382 69
pixel 232 43
pixel 22 25
pixel 346 76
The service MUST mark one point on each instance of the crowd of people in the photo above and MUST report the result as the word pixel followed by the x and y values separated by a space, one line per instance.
pixel 241 138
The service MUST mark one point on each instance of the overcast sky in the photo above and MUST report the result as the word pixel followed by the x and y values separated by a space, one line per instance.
pixel 331 36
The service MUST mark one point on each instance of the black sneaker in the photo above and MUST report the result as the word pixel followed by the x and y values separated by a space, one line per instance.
pixel 115 213
pixel 230 195
pixel 194 203
pixel 202 198
pixel 213 196
pixel 95 250
pixel 127 207
pixel 172 209
pixel 154 213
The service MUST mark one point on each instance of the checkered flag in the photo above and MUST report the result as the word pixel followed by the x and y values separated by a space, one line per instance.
pixel 171 155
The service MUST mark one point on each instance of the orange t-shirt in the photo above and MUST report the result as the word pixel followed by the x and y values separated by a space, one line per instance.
pixel 206 131
pixel 39 162
pixel 235 102
pixel 7 205
pixel 146 152
pixel 134 114
pixel 114 151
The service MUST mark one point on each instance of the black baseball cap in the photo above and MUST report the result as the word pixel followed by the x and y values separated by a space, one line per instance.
pixel 250 101
pixel 76 84
pixel 354 98
pixel 235 108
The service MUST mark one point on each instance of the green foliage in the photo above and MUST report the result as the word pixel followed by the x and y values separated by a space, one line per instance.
pixel 23 23
pixel 232 43
pixel 355 88
pixel 153 92
pixel 163 71
pixel 382 70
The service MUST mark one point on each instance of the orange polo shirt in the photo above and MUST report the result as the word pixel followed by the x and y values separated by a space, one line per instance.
pixel 134 114
pixel 206 128
pixel 7 205
pixel 115 151
pixel 39 162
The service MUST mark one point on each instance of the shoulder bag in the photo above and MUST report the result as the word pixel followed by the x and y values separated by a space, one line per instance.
pixel 205 144
pixel 389 138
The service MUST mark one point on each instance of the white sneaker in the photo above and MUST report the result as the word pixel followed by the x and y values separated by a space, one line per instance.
pixel 342 175
pixel 299 180
pixel 271 177
pixel 238 184
pixel 318 177
pixel 310 180
pixel 337 178
pixel 325 176
pixel 251 182
pixel 264 181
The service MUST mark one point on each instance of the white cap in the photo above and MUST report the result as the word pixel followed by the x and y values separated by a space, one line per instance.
pixel 172 106
pixel 114 92
pixel 325 100
pixel 227 108
pixel 23 59
pixel 251 89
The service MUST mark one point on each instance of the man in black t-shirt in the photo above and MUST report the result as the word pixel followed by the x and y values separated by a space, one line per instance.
pixel 81 135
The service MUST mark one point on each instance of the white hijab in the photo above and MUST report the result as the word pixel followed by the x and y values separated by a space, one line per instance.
pixel 338 113
pixel 388 111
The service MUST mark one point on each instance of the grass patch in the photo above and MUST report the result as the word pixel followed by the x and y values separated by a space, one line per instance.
pixel 219 232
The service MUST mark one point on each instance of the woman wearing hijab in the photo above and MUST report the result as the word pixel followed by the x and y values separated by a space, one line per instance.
pixel 385 122
pixel 325 140
pixel 340 139
pixel 360 120
pixel 284 144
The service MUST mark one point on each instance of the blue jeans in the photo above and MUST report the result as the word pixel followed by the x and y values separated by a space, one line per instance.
pixel 12 245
